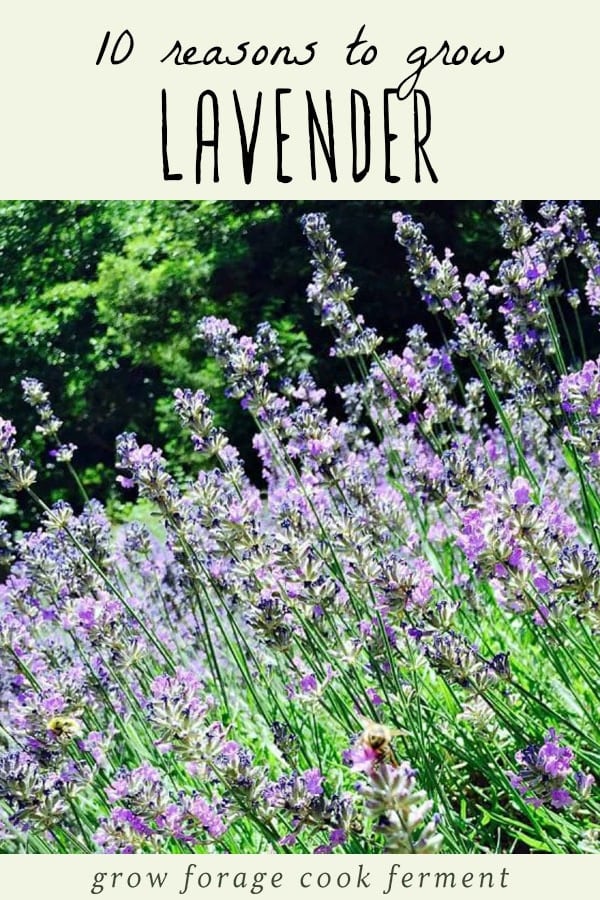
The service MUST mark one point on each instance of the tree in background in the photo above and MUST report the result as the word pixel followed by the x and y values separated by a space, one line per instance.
pixel 99 301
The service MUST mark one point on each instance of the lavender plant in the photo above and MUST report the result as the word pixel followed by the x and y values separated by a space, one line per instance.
pixel 391 646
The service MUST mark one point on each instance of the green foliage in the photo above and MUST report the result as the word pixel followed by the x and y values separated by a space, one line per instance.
pixel 99 301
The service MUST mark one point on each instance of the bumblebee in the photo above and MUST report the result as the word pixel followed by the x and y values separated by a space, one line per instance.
pixel 65 728
pixel 378 737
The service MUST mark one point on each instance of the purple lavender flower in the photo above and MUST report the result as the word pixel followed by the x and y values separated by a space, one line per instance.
pixel 15 472
pixel 543 771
